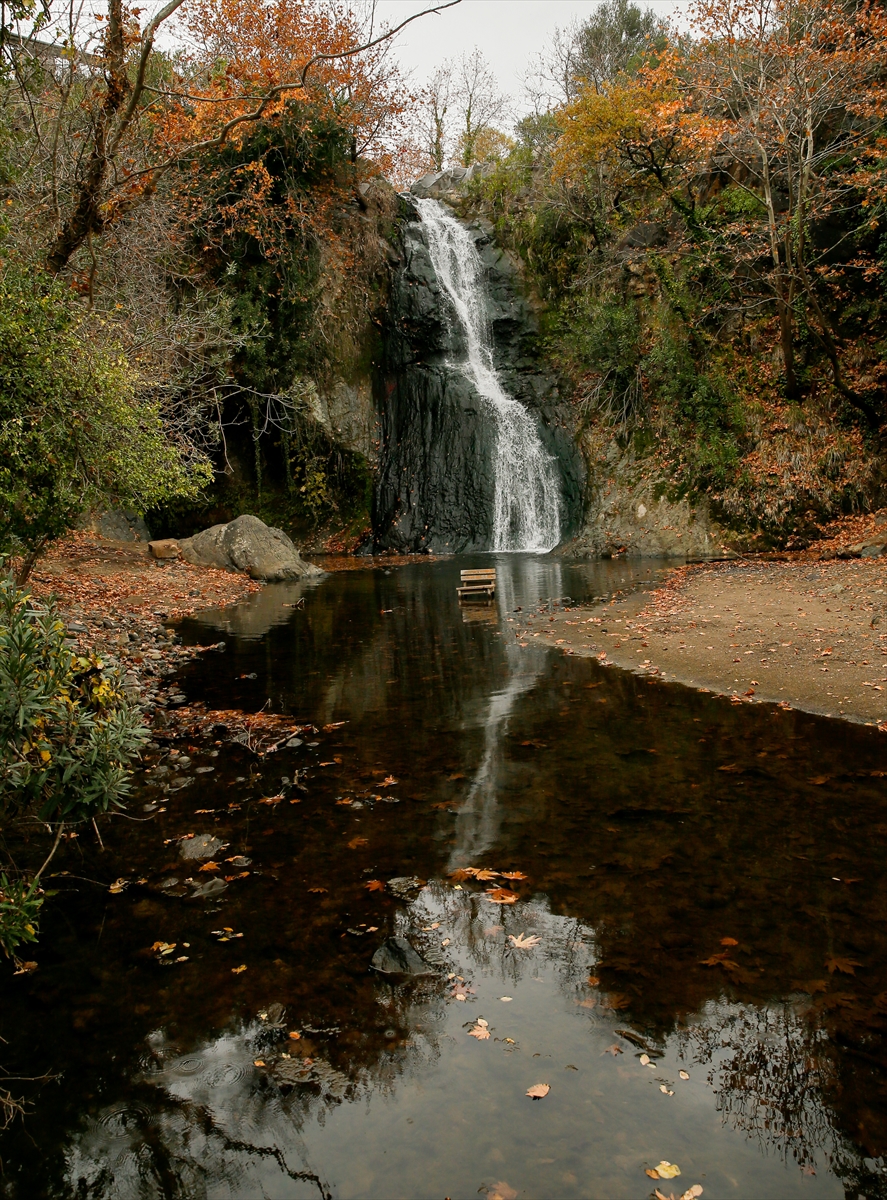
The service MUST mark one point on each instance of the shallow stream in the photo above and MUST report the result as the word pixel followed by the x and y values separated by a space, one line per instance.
pixel 706 882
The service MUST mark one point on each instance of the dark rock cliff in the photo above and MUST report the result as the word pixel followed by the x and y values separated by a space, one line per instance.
pixel 435 481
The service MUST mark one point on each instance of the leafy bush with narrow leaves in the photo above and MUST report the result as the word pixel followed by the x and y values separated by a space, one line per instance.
pixel 68 737
pixel 68 734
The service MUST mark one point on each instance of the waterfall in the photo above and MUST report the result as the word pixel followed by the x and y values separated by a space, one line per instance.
pixel 526 504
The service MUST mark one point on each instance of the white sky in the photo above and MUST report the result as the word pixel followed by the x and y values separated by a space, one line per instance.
pixel 509 33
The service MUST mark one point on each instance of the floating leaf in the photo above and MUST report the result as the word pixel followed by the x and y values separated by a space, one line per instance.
pixel 357 842
pixel 502 896
pixel 513 875
pixel 238 970
pixel 667 1170
pixel 728 941
pixel 480 1032
pixel 683 1074
pixel 375 885
pixel 844 965
pixel 539 1091
pixel 644 1060
pixel 501 1191
pixel 318 890
pixel 505 999
pixel 209 866
pixel 486 875
pixel 524 942
pixel 460 874
pixel 652 1172
pixel 614 1050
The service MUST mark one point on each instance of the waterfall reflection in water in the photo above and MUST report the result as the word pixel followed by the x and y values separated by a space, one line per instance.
pixel 527 503
pixel 703 878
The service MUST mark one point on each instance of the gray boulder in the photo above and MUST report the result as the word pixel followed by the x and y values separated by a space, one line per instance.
pixel 247 544
pixel 397 957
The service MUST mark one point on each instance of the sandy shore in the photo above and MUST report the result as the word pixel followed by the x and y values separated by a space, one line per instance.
pixel 811 635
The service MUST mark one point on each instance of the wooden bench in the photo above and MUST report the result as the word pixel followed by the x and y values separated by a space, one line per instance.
pixel 479 584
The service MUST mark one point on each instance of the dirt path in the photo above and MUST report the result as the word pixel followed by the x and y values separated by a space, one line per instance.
pixel 812 635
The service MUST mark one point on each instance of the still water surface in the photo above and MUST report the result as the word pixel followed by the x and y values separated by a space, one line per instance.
pixel 652 824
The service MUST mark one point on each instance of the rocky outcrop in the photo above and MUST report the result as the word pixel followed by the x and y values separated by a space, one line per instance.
pixel 630 514
pixel 439 184
pixel 117 526
pixel 435 484
pixel 249 545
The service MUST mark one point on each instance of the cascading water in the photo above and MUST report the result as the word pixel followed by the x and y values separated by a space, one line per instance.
pixel 526 503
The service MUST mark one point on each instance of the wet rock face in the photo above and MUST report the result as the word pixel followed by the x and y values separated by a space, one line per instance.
pixel 435 484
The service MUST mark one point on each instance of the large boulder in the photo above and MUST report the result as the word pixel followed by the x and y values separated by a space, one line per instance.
pixel 247 544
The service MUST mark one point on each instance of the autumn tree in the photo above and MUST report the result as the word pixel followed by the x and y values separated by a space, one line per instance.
pixel 787 93
pixel 112 116
pixel 480 104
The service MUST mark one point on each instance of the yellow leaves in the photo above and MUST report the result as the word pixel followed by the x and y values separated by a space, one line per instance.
pixel 238 970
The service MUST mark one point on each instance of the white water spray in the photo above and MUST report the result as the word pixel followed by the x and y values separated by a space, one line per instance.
pixel 526 503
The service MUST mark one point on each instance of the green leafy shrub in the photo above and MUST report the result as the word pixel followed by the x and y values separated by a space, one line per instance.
pixel 68 737
pixel 73 432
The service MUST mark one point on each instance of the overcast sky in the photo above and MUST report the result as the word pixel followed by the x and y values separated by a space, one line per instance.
pixel 509 33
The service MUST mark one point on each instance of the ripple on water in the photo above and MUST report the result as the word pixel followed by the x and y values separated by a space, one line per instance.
pixel 120 1122
pixel 187 1066
pixel 226 1075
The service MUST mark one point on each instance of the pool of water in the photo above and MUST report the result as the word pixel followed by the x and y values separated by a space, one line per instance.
pixel 694 965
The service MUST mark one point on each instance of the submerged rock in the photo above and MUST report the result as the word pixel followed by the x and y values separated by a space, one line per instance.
pixel 397 957
pixel 405 886
pixel 247 544
pixel 204 845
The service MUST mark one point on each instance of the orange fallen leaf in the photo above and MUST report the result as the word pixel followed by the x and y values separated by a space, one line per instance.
pixel 513 875
pixel 652 1172
pixel 317 891
pixel 728 941
pixel 460 874
pixel 486 875
pixel 538 1091
pixel 209 866
pixel 502 896
pixel 844 965
pixel 332 725
pixel 388 781
pixel 295 1036
pixel 238 970
pixel 357 842
pixel 375 885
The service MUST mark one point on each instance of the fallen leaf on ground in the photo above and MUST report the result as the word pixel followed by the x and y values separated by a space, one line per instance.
pixel 538 1091
pixel 502 896
pixel 524 941
pixel 375 885
pixel 844 965
pixel 357 842
pixel 238 970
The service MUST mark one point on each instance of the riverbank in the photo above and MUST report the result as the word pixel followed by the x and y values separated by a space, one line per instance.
pixel 117 602
pixel 804 634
